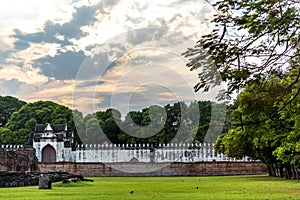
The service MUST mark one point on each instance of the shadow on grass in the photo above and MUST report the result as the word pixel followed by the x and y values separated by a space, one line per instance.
pixel 266 177
pixel 72 184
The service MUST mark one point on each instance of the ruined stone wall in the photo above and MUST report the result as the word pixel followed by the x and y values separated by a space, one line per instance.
pixel 158 169
pixel 19 179
pixel 18 160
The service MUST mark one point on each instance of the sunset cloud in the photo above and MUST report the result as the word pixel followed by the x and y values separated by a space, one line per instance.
pixel 88 54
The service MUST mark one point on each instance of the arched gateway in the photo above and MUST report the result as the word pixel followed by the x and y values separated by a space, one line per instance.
pixel 53 143
pixel 48 154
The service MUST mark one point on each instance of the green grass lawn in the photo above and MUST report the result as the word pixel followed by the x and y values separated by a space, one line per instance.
pixel 221 187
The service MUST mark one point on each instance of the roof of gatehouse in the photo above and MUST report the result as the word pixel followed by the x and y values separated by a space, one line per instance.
pixel 39 128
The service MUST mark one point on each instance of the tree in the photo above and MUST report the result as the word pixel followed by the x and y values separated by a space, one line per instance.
pixel 288 150
pixel 111 129
pixel 254 47
pixel 22 122
pixel 156 124
pixel 78 120
pixel 94 135
pixel 8 105
pixel 262 130
pixel 6 136
pixel 251 39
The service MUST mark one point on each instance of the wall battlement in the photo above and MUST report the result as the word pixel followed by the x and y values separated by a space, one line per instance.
pixel 116 153
pixel 173 152
pixel 54 143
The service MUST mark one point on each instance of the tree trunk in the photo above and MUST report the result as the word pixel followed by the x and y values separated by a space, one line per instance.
pixel 294 174
pixel 288 171
pixel 274 170
pixel 281 172
pixel 297 173
pixel 270 170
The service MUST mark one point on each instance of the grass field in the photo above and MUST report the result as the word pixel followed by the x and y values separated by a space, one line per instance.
pixel 222 187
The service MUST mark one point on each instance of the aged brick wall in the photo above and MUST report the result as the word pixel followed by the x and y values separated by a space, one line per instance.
pixel 18 179
pixel 21 160
pixel 173 169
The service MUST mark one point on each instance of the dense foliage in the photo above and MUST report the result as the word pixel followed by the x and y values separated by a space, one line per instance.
pixel 108 125
pixel 251 39
pixel 263 128
pixel 255 47
pixel 22 122
pixel 8 105
pixel 151 126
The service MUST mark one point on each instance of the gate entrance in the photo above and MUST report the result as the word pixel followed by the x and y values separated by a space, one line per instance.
pixel 48 154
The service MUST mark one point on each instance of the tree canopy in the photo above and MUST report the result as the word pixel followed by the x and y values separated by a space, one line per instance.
pixel 251 39
pixel 254 48
pixel 8 105
pixel 150 125
pixel 153 124
pixel 263 129
pixel 22 122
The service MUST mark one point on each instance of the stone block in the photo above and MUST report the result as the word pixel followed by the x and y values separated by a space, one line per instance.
pixel 45 182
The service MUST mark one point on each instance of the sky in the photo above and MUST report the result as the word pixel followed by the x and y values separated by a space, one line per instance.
pixel 93 55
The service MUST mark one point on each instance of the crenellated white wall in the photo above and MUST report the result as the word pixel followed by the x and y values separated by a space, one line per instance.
pixel 111 153
pixel 141 153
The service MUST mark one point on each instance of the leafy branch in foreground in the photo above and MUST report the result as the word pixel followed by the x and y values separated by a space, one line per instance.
pixel 250 40
pixel 255 46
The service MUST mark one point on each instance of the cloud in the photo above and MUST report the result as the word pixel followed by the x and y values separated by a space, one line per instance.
pixel 140 36
pixel 21 45
pixel 102 49
pixel 4 46
pixel 65 59
pixel 63 65
pixel 9 87
pixel 25 75
pixel 54 90
pixel 30 15
pixel 83 16
pixel 141 78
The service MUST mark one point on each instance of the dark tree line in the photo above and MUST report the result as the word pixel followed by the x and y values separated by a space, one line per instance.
pixel 141 126
pixel 176 122
pixel 8 105
pixel 22 122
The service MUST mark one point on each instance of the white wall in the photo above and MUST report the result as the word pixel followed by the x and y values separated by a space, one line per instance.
pixel 62 154
pixel 112 153
pixel 166 153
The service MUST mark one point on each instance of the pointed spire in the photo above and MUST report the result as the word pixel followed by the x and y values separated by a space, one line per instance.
pixel 48 128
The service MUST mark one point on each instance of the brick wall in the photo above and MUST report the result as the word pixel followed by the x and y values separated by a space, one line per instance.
pixel 157 169
pixel 20 159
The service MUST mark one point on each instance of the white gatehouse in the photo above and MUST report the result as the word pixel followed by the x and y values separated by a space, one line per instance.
pixel 55 143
